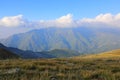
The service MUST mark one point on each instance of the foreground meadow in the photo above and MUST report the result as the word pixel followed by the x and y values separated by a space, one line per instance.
pixel 61 69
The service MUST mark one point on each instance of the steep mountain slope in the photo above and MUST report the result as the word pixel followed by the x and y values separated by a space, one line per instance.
pixel 2 46
pixel 82 39
pixel 24 54
pixel 6 54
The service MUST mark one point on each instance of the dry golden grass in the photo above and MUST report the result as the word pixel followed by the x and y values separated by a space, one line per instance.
pixel 109 54
pixel 104 66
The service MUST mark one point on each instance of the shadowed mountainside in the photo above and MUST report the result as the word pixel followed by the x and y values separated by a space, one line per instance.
pixel 6 54
pixel 57 53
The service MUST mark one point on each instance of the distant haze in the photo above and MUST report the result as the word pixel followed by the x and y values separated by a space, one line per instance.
pixel 10 25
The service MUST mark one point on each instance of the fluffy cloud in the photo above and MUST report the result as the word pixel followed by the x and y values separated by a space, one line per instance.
pixel 18 21
pixel 64 21
pixel 13 21
pixel 102 19
pixel 17 24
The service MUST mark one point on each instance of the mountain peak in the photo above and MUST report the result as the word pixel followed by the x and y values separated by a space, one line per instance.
pixel 81 39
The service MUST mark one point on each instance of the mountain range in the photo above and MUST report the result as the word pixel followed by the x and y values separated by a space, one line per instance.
pixel 81 39
pixel 12 53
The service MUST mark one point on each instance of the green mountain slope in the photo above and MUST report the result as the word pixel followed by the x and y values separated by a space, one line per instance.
pixel 62 53
pixel 82 39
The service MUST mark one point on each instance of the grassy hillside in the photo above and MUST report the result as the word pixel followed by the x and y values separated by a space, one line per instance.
pixel 109 54
pixel 63 53
pixel 95 68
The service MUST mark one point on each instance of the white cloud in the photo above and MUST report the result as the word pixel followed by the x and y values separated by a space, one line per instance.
pixel 107 20
pixel 64 21
pixel 18 21
pixel 102 19
pixel 13 21
pixel 17 24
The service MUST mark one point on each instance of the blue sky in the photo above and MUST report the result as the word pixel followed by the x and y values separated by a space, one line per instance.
pixel 18 16
pixel 52 9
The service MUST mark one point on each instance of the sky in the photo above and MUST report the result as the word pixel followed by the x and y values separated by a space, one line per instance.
pixel 52 9
pixel 18 16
